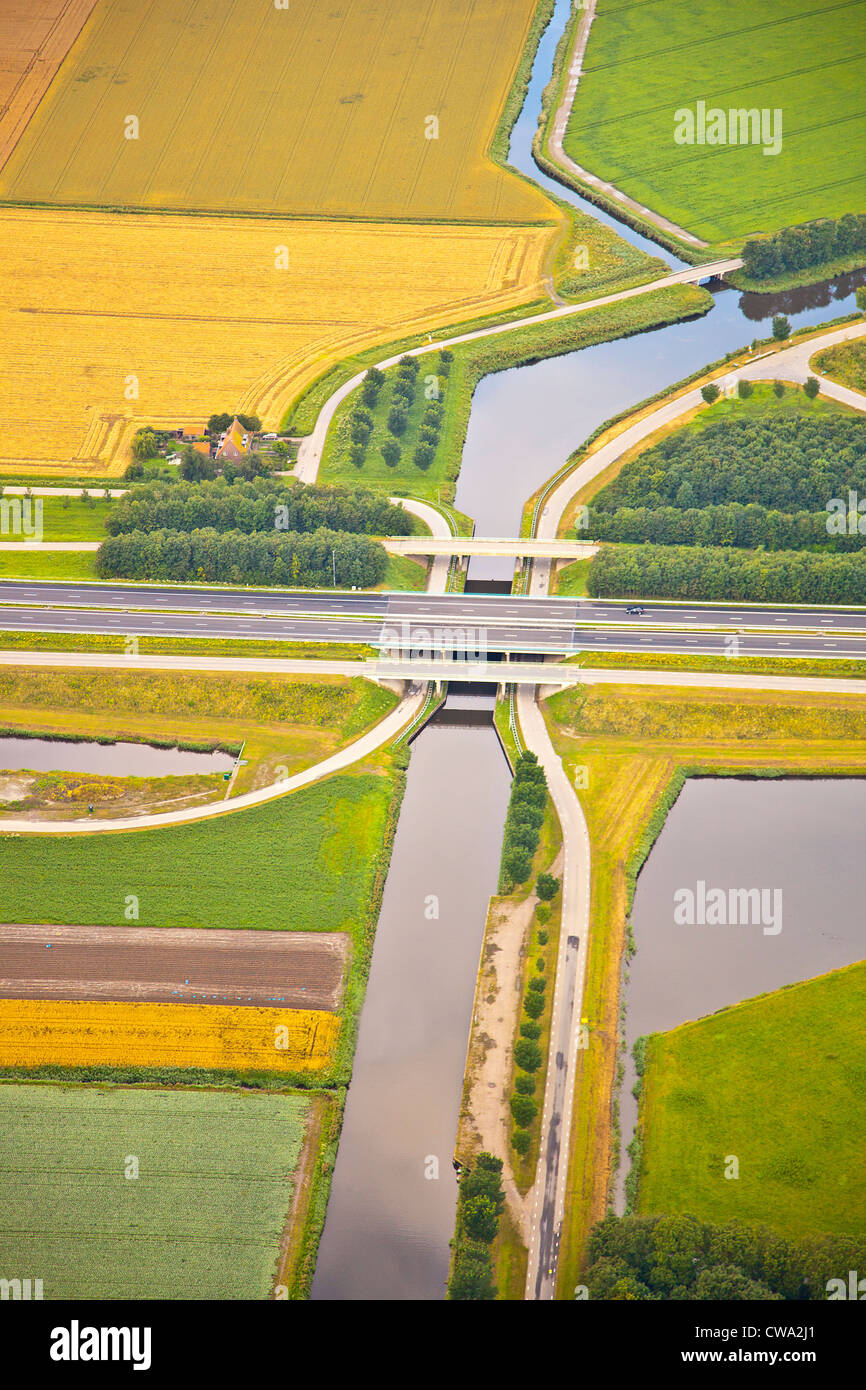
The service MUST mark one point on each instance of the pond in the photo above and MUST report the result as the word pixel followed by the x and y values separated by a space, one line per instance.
pixel 802 842
pixel 107 759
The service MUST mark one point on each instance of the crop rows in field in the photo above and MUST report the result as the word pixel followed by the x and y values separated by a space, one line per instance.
pixel 108 322
pixel 219 1037
pixel 34 40
pixel 198 1215
pixel 804 58
pixel 307 109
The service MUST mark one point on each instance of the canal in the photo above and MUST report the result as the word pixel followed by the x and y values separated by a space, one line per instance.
pixel 394 1191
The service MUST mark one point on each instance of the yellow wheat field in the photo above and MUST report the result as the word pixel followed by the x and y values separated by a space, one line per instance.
pixel 309 108
pixel 107 322
pixel 38 1032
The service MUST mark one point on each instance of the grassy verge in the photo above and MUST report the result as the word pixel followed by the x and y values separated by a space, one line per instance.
pixel 48 564
pixel 718 665
pixel 722 1086
pixel 475 360
pixel 180 646
pixel 570 581
pixel 845 363
pixel 636 749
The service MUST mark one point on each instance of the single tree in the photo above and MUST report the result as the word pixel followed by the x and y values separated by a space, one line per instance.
pixel 546 887
pixel 811 387
pixel 781 327
pixel 710 392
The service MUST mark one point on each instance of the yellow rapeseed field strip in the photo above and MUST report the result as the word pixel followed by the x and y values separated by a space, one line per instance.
pixel 39 1032
pixel 306 109
pixel 108 322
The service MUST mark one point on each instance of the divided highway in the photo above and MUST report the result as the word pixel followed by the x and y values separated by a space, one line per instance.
pixel 445 623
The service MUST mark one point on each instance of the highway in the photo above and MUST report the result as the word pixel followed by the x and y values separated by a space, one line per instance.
pixel 478 609
pixel 402 623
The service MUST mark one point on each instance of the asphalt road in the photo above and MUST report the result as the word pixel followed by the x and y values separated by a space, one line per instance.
pixel 522 626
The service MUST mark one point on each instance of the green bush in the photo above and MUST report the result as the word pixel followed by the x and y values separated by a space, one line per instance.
pixel 710 392
pixel 524 1085
pixel 547 887
pixel 527 1054
pixel 538 984
pixel 521 1140
pixel 530 1030
pixel 524 1109
pixel 542 937
pixel 811 387
pixel 533 1005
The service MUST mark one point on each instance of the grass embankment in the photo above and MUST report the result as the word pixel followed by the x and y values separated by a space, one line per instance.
pixel 62 518
pixel 284 724
pixel 722 1086
pixel 402 571
pixel 148 1193
pixel 48 564
pixel 845 363
pixel 475 360
pixel 180 646
pixel 719 665
pixel 636 749
pixel 623 120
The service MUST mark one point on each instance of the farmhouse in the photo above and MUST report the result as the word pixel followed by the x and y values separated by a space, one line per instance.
pixel 234 442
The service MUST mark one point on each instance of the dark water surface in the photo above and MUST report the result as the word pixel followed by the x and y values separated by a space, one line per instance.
pixel 388 1226
pixel 109 759
pixel 804 837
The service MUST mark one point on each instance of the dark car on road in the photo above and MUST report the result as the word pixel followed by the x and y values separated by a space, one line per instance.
pixel 634 610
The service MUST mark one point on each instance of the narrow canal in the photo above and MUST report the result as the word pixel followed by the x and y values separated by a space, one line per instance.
pixel 394 1191
pixel 800 840
pixel 388 1223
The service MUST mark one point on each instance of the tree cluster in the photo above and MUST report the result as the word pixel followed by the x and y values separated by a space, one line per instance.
pixel 783 576
pixel 731 524
pixel 523 821
pixel 667 1258
pixel 799 248
pixel 301 559
pixel 480 1200
pixel 762 481
pixel 266 505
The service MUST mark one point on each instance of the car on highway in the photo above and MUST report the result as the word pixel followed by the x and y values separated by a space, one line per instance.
pixel 634 610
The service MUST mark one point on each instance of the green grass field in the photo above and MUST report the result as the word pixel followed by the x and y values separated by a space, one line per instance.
pixel 778 1081
pixel 845 363
pixel 306 862
pixel 66 518
pixel 644 61
pixel 203 1218
pixel 48 564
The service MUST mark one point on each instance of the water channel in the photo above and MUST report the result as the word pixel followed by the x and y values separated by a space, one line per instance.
pixel 394 1190
pixel 107 759
pixel 802 837
pixel 388 1225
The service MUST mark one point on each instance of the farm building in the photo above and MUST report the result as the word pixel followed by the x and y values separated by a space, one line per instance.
pixel 234 442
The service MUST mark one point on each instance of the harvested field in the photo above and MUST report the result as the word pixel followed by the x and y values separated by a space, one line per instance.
pixel 39 1032
pixel 35 36
pixel 287 970
pixel 307 109
pixel 107 323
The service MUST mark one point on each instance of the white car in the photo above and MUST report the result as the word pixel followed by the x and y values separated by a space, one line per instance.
pixel 269 436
